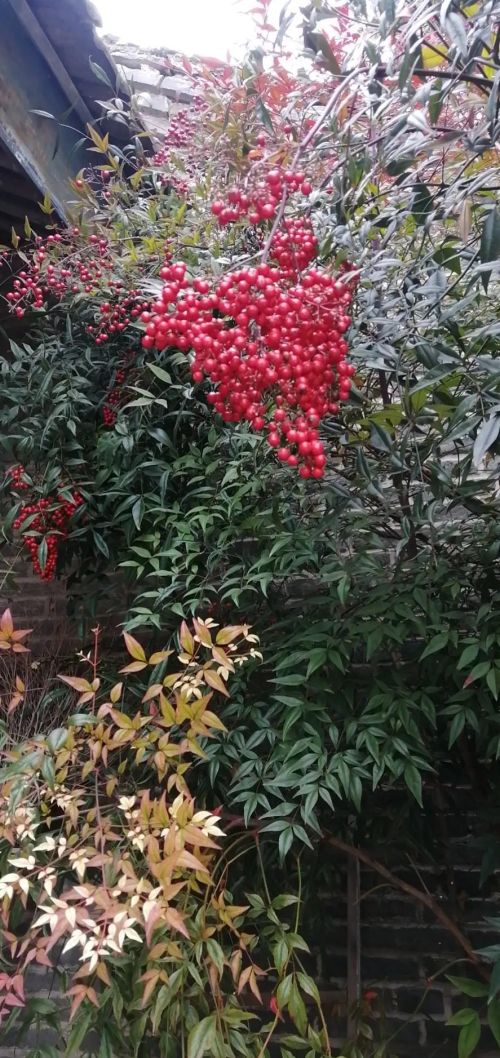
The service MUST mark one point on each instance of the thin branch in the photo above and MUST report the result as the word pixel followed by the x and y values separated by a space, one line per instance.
pixel 451 75
pixel 445 75
pixel 428 901
pixel 296 158
pixel 421 897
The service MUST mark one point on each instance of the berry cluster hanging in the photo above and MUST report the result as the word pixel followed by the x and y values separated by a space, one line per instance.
pixel 43 523
pixel 55 269
pixel 270 340
pixel 259 199
pixel 118 396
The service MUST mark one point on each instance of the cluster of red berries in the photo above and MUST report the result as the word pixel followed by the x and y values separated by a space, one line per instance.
pixel 115 316
pixel 274 347
pixel 181 130
pixel 294 246
pixel 72 272
pixel 118 396
pixel 48 523
pixel 114 399
pixel 260 201
pixel 18 479
pixel 181 134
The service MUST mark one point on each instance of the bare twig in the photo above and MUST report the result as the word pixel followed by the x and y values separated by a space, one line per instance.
pixel 419 895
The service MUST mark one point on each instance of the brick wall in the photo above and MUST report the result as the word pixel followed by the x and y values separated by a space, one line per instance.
pixel 43 607
pixel 403 956
pixel 38 605
pixel 405 953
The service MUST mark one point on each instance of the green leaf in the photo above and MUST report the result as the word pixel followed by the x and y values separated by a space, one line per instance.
pixel 42 553
pixel 79 1030
pixel 380 438
pixel 343 589
pixel 308 986
pixel 280 955
pixel 263 114
pixel 436 100
pixel 479 671
pixel 284 991
pixel 39 1005
pixel 493 681
pixel 469 1037
pixel 100 73
pixel 456 727
pixel 489 249
pixel 485 439
pixel 284 900
pixel 463 1017
pixel 413 780
pixel 100 543
pixel 495 980
pixel 81 720
pixel 285 842
pixel 494 1019
pixel 160 373
pixel 436 644
pixel 422 202
pixel 468 656
pixel 216 954
pixel 105 1045
pixel 297 1009
pixel 317 659
pixel 57 739
pixel 321 44
pixel 202 1037
pixel 138 512
pixel 448 256
pixel 469 987
pixel 48 771
pixel 293 680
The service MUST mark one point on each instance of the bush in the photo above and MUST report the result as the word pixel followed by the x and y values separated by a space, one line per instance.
pixel 106 855
pixel 348 508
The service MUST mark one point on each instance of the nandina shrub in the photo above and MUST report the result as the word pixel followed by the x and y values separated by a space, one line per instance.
pixel 109 423
pixel 365 575
pixel 106 856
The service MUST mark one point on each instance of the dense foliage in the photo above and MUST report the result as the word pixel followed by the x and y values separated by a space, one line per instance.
pixel 106 855
pixel 365 171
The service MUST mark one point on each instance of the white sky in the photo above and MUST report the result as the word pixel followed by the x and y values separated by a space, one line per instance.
pixel 203 27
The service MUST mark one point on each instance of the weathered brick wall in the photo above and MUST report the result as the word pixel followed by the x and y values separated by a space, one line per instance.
pixel 43 607
pixel 38 605
pixel 405 952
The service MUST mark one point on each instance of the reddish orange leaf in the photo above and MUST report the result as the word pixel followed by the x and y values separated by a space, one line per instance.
pixel 175 919
pixel 214 680
pixel 6 623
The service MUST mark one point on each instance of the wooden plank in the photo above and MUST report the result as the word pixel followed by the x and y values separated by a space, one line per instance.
pixel 19 208
pixel 13 182
pixel 33 28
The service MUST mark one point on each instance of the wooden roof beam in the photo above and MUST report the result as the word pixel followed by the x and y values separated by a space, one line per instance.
pixel 38 36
